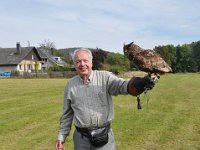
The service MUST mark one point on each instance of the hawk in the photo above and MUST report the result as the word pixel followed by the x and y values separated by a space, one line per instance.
pixel 146 60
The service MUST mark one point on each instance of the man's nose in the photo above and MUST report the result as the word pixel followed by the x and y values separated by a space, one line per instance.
pixel 82 62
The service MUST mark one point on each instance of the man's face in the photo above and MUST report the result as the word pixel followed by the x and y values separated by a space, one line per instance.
pixel 83 64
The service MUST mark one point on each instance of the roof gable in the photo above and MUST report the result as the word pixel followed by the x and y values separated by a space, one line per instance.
pixel 51 58
pixel 9 56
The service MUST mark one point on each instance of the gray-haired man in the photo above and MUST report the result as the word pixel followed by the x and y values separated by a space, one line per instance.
pixel 88 101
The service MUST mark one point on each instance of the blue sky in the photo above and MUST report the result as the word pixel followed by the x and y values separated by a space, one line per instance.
pixel 106 24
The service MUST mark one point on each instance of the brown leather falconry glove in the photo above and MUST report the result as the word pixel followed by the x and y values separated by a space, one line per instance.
pixel 138 85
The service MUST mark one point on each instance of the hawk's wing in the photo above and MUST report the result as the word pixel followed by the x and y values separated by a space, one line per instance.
pixel 150 61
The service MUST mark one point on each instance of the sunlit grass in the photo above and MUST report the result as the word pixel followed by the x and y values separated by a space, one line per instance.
pixel 30 110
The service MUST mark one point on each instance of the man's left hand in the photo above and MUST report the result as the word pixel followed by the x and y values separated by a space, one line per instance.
pixel 137 85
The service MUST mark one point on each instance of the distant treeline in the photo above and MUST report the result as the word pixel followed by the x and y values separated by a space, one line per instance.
pixel 182 58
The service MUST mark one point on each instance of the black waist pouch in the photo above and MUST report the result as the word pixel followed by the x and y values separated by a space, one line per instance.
pixel 99 137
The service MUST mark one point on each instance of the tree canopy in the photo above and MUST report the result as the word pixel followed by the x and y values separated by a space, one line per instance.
pixel 181 58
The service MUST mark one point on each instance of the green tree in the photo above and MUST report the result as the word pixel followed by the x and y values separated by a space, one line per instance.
pixel 58 68
pixel 196 54
pixel 118 61
pixel 168 53
pixel 36 68
pixel 184 60
pixel 172 56
pixel 164 52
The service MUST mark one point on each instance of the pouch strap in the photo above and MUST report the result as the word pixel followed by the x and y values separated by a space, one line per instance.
pixel 88 130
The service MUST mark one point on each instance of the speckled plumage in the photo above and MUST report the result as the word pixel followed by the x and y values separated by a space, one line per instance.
pixel 145 59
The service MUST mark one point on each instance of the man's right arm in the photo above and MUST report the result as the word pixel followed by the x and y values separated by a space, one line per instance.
pixel 65 120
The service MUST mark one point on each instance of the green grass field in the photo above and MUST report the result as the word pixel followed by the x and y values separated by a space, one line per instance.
pixel 30 110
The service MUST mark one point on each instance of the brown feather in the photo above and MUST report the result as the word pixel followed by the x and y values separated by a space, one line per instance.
pixel 146 60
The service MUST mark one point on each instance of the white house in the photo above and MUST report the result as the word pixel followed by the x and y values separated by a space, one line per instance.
pixel 22 59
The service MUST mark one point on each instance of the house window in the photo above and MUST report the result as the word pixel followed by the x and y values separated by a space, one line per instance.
pixel 20 67
pixel 44 59
pixel 29 66
pixel 32 57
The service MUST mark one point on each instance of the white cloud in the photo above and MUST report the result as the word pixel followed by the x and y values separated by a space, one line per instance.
pixel 106 24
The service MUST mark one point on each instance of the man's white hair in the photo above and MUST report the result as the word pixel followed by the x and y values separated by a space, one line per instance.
pixel 82 49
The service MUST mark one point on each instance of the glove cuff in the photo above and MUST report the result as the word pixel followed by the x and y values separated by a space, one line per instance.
pixel 133 87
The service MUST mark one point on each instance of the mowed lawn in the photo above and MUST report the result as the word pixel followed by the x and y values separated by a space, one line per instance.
pixel 30 110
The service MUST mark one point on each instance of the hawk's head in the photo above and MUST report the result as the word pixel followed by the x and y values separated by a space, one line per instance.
pixel 131 49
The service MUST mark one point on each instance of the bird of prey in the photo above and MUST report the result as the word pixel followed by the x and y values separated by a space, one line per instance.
pixel 146 60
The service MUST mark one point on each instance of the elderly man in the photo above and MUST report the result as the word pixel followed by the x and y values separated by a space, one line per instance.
pixel 88 101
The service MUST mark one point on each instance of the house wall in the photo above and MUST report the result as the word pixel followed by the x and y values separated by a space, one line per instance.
pixel 46 64
pixel 7 68
pixel 23 66
pixel 28 66
pixel 29 63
